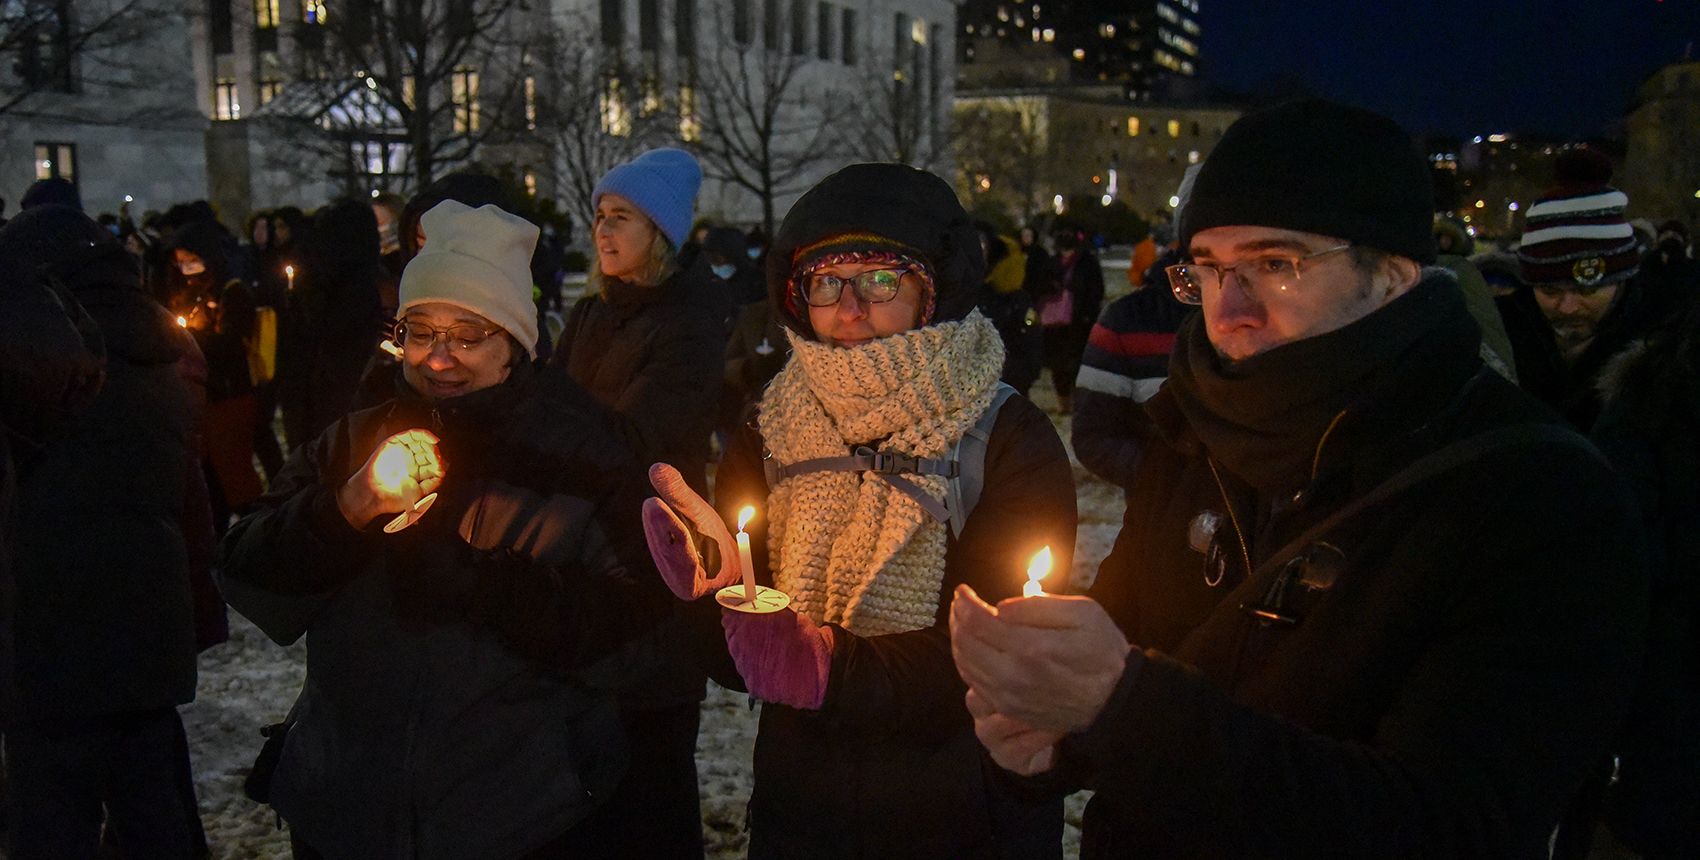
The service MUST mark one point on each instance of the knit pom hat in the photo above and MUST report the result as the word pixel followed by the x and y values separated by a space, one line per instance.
pixel 662 183
pixel 1576 233
pixel 477 259
pixel 879 209
pixel 1317 167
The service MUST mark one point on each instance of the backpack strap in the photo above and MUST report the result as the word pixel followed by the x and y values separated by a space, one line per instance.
pixel 964 468
pixel 969 452
pixel 1433 465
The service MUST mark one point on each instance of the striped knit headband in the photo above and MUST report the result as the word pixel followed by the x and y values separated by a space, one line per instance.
pixel 845 248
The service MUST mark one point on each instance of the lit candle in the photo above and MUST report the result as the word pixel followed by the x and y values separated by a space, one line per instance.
pixel 394 466
pixel 1041 566
pixel 749 566
pixel 289 272
pixel 183 322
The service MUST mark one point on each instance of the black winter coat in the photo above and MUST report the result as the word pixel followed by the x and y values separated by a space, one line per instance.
pixel 889 766
pixel 460 689
pixel 1433 678
pixel 654 356
pixel 107 524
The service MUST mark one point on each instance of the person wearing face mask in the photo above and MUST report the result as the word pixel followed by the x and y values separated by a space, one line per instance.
pixel 647 341
pixel 466 563
pixel 207 296
pixel 865 748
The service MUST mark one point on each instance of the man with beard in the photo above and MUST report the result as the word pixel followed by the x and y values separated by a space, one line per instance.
pixel 1581 300
pixel 1369 599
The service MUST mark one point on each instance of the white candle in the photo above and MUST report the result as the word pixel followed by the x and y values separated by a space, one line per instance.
pixel 744 560
pixel 1041 566
pixel 289 272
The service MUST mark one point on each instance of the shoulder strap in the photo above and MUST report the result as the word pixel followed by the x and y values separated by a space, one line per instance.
pixel 965 467
pixel 969 452
pixel 1453 456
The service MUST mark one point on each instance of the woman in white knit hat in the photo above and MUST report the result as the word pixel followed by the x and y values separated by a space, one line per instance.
pixel 865 747
pixel 460 559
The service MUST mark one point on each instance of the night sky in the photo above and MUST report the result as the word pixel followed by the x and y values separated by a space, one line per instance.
pixel 1558 68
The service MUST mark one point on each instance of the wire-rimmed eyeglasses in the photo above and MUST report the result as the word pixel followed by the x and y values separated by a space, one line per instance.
pixel 1259 277
pixel 421 336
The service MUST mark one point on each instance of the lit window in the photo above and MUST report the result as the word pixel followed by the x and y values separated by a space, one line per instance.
pixel 616 120
pixel 530 184
pixel 530 103
pixel 1079 54
pixel 225 104
pixel 313 11
pixel 690 128
pixel 464 95
pixel 265 13
pixel 56 160
pixel 1192 157
pixel 269 88
pixel 1133 126
pixel 1050 35
pixel 1174 128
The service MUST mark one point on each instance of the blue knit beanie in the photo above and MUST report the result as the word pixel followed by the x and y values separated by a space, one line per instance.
pixel 663 184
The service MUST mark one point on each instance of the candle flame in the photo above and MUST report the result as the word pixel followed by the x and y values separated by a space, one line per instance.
pixel 289 270
pixel 182 322
pixel 390 469
pixel 744 516
pixel 1041 565
pixel 1035 572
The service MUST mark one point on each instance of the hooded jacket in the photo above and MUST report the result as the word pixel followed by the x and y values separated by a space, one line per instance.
pixel 112 520
pixel 889 765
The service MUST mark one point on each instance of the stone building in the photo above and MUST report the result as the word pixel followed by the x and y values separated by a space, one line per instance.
pixel 1661 163
pixel 102 93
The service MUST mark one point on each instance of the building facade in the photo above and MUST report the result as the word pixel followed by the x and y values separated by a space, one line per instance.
pixel 1661 164
pixel 308 99
pixel 101 93
pixel 1149 48
pixel 1027 152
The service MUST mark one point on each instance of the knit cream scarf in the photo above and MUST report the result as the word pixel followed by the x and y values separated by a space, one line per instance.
pixel 852 549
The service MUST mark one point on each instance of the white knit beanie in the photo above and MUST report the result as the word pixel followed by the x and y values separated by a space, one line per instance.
pixel 477 259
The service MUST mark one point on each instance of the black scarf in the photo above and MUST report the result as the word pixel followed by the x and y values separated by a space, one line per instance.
pixel 1262 418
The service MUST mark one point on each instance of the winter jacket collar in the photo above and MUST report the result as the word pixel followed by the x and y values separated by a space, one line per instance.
pixel 1281 419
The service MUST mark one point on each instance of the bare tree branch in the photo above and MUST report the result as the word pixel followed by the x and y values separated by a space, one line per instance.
pixel 765 125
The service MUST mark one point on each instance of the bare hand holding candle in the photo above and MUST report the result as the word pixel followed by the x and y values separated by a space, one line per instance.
pixel 400 477
pixel 746 596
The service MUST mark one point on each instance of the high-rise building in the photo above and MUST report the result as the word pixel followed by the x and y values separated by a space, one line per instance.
pixel 1148 47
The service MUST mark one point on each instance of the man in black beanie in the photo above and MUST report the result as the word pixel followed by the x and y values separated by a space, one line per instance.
pixel 1369 599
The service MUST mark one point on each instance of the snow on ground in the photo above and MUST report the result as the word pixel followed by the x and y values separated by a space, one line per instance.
pixel 249 682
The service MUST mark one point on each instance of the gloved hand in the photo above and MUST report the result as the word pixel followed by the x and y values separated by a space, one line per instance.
pixel 783 657
pixel 670 541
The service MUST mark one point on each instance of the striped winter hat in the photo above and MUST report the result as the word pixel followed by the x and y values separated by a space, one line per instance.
pixel 1576 233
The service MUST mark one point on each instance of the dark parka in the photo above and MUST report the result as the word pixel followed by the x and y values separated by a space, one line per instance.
pixel 111 510
pixel 654 356
pixel 459 694
pixel 1432 678
pixel 889 766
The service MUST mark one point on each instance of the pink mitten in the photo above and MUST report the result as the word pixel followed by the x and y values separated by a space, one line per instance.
pixel 670 541
pixel 783 656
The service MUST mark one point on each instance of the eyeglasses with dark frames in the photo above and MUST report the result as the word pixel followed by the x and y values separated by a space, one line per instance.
pixel 874 286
